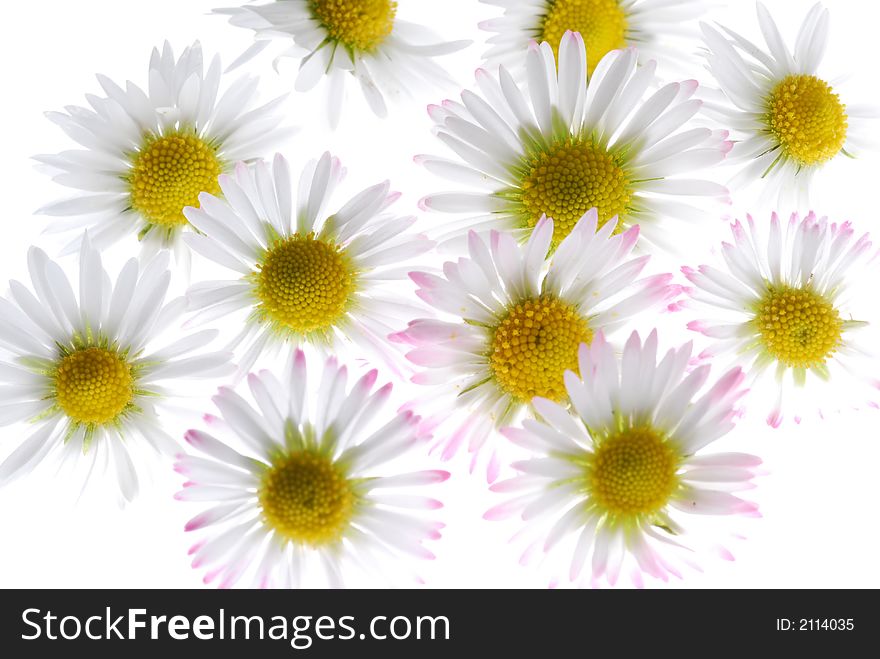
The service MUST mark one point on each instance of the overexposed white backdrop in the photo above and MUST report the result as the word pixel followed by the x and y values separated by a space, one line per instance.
pixel 819 496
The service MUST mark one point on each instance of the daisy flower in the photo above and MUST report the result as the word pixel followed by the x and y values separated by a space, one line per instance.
pixel 307 479
pixel 610 476
pixel 336 38
pixel 85 370
pixel 567 144
pixel 788 301
pixel 515 319
pixel 304 274
pixel 606 25
pixel 788 120
pixel 148 154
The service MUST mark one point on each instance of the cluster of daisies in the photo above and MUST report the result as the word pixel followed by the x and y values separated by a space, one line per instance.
pixel 573 163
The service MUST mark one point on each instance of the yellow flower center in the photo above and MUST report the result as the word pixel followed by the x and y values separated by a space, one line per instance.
pixel 807 119
pixel 797 326
pixel 168 174
pixel 568 179
pixel 633 473
pixel 306 498
pixel 357 24
pixel 304 284
pixel 533 346
pixel 93 386
pixel 602 23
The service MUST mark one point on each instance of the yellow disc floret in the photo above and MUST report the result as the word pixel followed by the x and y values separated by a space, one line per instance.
pixel 807 119
pixel 358 24
pixel 306 498
pixel 534 344
pixel 570 178
pixel 93 386
pixel 797 326
pixel 168 173
pixel 633 473
pixel 304 284
pixel 601 22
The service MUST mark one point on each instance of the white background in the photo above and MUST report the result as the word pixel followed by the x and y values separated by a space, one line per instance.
pixel 819 497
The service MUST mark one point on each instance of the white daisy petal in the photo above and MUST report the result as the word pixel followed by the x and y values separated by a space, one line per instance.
pixel 29 453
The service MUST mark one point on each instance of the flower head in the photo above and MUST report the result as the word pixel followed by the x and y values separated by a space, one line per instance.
pixel 788 121
pixel 305 275
pixel 568 142
pixel 514 318
pixel 333 39
pixel 611 475
pixel 303 480
pixel 605 25
pixel 787 301
pixel 149 154
pixel 86 369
